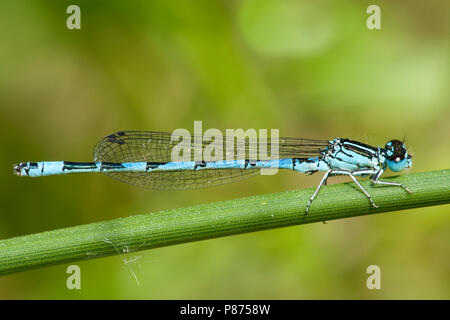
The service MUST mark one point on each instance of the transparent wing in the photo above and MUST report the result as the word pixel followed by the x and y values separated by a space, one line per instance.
pixel 148 146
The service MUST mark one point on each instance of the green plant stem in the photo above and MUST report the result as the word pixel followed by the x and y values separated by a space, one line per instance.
pixel 218 219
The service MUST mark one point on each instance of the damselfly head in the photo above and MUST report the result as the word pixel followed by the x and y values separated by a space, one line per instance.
pixel 397 156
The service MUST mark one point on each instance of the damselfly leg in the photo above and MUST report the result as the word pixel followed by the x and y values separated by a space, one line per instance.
pixel 322 182
pixel 352 174
pixel 342 172
pixel 376 181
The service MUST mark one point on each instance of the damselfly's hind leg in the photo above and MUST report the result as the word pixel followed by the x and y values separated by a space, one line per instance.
pixel 322 182
pixel 376 181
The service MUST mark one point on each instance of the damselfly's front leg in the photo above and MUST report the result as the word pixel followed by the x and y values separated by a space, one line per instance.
pixel 378 175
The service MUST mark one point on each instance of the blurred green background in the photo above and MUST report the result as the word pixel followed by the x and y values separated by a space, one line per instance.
pixel 311 69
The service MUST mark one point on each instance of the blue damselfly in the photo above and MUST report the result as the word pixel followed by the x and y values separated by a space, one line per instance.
pixel 145 159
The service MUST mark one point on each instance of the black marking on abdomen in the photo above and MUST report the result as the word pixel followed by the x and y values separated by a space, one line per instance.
pixel 297 160
pixel 154 165
pixel 68 165
pixel 26 167
pixel 250 162
pixel 199 164
pixel 306 160
pixel 110 165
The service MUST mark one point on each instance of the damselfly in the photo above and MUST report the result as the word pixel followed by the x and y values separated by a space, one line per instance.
pixel 144 159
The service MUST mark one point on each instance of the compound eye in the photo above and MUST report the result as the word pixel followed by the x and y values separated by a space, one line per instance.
pixel 395 151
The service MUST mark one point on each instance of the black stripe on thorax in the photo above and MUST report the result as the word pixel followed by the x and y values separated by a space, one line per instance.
pixel 360 148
